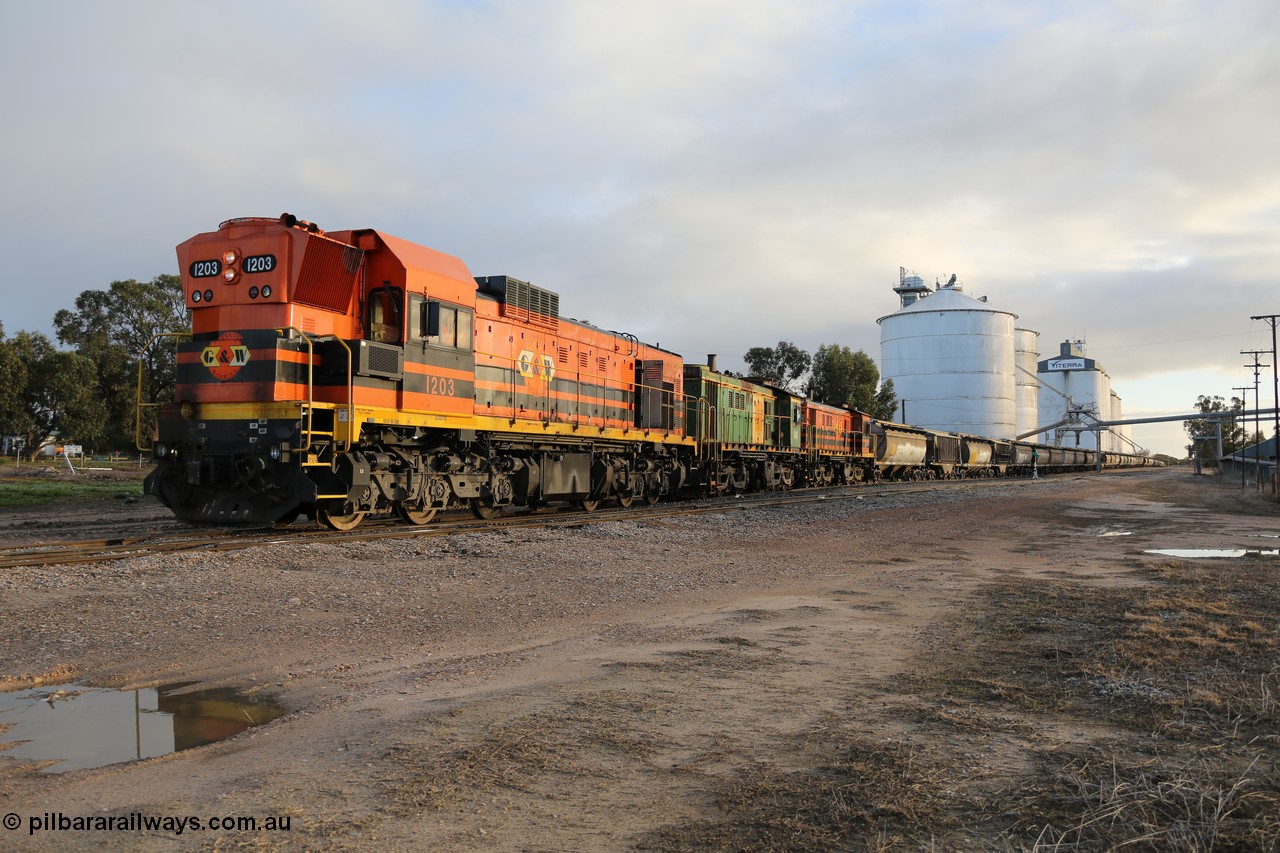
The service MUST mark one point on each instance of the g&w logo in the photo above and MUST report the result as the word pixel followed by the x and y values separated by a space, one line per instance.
pixel 534 366
pixel 225 356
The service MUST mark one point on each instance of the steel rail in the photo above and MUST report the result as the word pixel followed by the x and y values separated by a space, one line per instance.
pixel 220 540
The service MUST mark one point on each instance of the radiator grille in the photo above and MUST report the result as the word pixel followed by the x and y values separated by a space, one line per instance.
pixel 380 360
pixel 521 300
pixel 383 361
pixel 328 274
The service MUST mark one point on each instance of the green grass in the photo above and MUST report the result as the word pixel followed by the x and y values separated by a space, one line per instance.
pixel 25 491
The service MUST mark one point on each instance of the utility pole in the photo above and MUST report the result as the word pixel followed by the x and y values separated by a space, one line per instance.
pixel 1275 381
pixel 1257 446
pixel 1244 403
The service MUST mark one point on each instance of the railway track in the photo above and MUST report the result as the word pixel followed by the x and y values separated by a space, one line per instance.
pixel 449 524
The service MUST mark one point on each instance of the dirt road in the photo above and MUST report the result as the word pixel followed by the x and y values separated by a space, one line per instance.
pixel 963 668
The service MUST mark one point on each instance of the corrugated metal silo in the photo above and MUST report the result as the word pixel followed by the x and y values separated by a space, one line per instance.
pixel 1074 376
pixel 1026 354
pixel 951 359
pixel 1121 433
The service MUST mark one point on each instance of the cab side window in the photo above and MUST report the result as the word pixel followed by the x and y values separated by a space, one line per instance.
pixel 464 329
pixel 448 336
pixel 440 324
pixel 384 315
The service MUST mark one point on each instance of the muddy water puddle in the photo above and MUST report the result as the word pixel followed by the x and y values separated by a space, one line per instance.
pixel 1197 553
pixel 78 726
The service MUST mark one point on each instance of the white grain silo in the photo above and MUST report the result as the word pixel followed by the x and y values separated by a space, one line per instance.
pixel 1026 353
pixel 951 359
pixel 1121 438
pixel 1073 383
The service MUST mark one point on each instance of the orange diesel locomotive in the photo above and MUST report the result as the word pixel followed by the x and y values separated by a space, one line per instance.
pixel 352 373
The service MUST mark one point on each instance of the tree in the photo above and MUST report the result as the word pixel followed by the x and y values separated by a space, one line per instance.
pixel 111 328
pixel 53 392
pixel 781 365
pixel 1205 430
pixel 13 382
pixel 886 402
pixel 842 377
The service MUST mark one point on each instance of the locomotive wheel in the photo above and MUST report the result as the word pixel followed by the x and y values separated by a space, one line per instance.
pixel 339 522
pixel 588 506
pixel 625 501
pixel 652 498
pixel 484 511
pixel 416 516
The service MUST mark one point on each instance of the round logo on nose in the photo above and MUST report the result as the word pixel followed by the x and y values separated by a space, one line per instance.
pixel 225 356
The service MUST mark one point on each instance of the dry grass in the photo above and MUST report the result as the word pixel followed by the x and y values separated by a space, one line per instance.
pixel 1052 716
pixel 1164 805
pixel 1183 672
pixel 521 754
pixel 1181 675
pixel 1211 492
pixel 861 798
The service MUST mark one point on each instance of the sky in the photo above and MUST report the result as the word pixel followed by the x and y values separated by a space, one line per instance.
pixel 710 175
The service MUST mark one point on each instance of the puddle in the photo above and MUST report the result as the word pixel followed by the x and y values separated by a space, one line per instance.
pixel 80 726
pixel 1210 552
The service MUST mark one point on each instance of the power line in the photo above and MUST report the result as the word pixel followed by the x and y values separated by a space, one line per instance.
pixel 1175 341
pixel 1275 379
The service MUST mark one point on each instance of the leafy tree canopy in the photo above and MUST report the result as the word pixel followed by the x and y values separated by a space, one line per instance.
pixel 47 391
pixel 782 365
pixel 843 377
pixel 1234 433
pixel 111 328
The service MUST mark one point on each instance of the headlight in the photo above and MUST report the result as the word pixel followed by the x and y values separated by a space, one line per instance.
pixel 160 450
pixel 230 256
pixel 274 453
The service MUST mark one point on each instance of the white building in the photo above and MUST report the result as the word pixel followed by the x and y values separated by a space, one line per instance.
pixel 1026 346
pixel 952 360
pixel 1074 393
pixel 960 365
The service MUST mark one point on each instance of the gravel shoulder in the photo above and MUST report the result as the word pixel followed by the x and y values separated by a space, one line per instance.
pixel 613 685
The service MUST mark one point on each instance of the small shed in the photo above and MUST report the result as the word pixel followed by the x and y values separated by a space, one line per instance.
pixel 1256 462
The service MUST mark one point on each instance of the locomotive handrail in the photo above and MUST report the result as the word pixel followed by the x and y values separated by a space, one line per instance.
pixel 577 398
pixel 714 431
pixel 309 433
pixel 515 398
pixel 137 425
